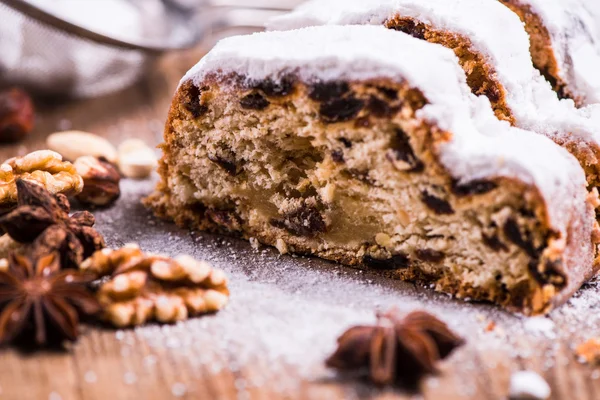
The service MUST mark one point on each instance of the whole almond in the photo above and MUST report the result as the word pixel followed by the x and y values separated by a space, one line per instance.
pixel 136 159
pixel 75 144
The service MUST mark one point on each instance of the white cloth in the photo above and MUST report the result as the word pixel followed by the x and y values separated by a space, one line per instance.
pixel 52 62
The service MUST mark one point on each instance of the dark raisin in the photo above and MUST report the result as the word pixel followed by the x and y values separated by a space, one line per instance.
pixel 306 221
pixel 437 205
pixel 341 110
pixel 548 272
pixel 227 164
pixel 513 233
pixel 280 88
pixel 398 261
pixel 378 107
pixel 198 208
pixel 493 242
pixel 553 271
pixel 362 122
pixel 391 94
pixel 327 91
pixel 410 27
pixel 192 102
pixel 528 213
pixel 401 150
pixel 475 187
pixel 254 101
pixel 346 142
pixel 430 255
pixel 416 99
pixel 493 93
pixel 337 156
pixel 225 218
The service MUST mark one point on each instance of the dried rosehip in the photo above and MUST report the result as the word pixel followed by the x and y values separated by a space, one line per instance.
pixel 16 115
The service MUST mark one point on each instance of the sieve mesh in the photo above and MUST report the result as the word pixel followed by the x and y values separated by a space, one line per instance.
pixel 48 61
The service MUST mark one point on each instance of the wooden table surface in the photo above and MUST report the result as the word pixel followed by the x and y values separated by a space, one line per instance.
pixel 285 312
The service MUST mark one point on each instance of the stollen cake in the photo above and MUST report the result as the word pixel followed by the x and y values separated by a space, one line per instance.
pixel 322 141
pixel 565 44
pixel 493 48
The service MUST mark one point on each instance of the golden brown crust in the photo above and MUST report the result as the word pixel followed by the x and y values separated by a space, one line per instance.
pixel 541 48
pixel 480 75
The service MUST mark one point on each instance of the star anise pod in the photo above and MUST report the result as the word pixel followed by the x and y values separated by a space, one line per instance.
pixel 43 219
pixel 395 350
pixel 37 296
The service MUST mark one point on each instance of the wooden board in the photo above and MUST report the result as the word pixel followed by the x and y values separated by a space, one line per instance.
pixel 285 312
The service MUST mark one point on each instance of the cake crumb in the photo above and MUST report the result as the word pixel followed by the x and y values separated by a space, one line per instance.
pixel 528 385
pixel 589 352
pixel 254 243
pixel 490 326
pixel 281 246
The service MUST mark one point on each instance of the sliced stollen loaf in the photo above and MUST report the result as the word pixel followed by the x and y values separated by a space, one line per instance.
pixel 565 44
pixel 322 141
pixel 493 48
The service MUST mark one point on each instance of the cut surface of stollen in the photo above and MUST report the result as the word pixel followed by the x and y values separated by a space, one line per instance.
pixel 321 141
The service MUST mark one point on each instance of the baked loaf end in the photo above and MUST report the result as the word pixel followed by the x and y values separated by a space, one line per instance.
pixel 493 48
pixel 565 44
pixel 321 142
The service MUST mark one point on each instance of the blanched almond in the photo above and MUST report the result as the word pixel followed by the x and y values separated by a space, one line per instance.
pixel 136 159
pixel 74 144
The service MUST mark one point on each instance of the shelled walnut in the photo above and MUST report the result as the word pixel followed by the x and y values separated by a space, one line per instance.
pixel 101 181
pixel 145 287
pixel 44 167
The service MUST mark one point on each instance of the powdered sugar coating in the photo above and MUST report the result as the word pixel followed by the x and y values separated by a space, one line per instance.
pixel 495 32
pixel 574 28
pixel 481 147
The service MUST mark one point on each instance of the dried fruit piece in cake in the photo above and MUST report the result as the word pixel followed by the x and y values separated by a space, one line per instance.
pixel 565 44
pixel 377 159
pixel 493 48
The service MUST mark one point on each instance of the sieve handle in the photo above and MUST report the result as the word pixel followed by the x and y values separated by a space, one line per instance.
pixel 190 5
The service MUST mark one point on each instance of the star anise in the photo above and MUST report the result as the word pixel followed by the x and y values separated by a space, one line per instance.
pixel 395 350
pixel 37 296
pixel 43 219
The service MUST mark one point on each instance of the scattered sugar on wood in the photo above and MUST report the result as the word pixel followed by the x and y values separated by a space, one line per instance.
pixel 287 312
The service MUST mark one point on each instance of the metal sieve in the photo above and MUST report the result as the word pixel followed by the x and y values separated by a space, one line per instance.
pixel 71 47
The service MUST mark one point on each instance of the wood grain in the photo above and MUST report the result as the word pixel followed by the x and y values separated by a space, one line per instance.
pixel 106 364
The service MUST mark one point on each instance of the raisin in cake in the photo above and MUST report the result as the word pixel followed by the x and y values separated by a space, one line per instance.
pixel 321 141
pixel 493 48
pixel 565 44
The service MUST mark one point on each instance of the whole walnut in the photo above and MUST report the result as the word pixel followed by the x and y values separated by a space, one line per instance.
pixel 16 115
pixel 100 181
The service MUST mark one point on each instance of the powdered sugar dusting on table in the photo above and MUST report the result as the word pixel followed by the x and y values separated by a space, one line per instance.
pixel 287 312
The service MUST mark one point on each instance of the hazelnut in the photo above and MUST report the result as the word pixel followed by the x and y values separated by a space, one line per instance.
pixel 136 159
pixel 100 181
pixel 16 115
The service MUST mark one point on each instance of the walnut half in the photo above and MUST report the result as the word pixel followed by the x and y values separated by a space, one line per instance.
pixel 44 167
pixel 145 287
pixel 101 181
